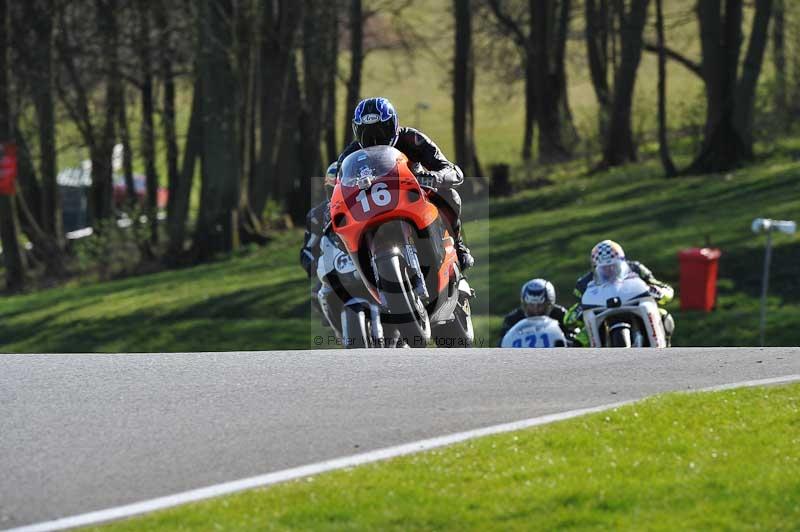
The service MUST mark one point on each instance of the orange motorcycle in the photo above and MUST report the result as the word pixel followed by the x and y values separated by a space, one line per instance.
pixel 404 253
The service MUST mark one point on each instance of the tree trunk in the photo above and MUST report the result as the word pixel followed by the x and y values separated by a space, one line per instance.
pixel 310 126
pixel 249 225
pixel 46 249
pixel 356 66
pixel 12 258
pixel 43 89
pixel 620 147
pixel 101 151
pixel 148 129
pixel 176 224
pixel 597 55
pixel 220 162
pixel 751 69
pixel 332 147
pixel 546 56
pixel 728 140
pixel 530 110
pixel 127 151
pixel 663 146
pixel 277 54
pixel 779 61
pixel 168 120
pixel 463 88
pixel 29 187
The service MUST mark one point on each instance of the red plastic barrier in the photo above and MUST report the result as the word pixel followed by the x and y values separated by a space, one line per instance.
pixel 698 287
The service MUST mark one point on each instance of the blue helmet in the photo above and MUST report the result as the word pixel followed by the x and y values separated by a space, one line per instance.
pixel 375 122
pixel 537 297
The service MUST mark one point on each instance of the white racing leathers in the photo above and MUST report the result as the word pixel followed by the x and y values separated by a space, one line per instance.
pixel 535 331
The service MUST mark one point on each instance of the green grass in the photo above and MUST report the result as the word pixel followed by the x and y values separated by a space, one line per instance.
pixel 260 299
pixel 251 302
pixel 712 461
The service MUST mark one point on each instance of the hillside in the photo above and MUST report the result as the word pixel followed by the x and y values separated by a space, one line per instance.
pixel 259 300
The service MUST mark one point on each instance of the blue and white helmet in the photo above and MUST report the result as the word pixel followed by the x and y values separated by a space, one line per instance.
pixel 375 122
pixel 537 297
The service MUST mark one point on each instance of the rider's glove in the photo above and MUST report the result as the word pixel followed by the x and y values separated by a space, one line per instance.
pixel 429 179
pixel 656 292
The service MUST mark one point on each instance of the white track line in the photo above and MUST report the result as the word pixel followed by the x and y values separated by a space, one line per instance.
pixel 129 510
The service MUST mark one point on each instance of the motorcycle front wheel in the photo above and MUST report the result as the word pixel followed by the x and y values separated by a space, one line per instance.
pixel 354 328
pixel 407 313
pixel 620 336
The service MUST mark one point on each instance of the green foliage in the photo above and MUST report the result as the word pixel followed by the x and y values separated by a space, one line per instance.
pixel 111 250
pixel 712 461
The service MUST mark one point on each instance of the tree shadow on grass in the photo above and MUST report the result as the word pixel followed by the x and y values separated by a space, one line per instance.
pixel 745 267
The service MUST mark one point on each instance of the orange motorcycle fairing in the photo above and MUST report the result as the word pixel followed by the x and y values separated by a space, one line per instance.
pixel 395 195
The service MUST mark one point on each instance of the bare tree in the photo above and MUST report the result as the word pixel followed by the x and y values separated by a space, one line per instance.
pixel 541 44
pixel 356 30
pixel 148 109
pixel 181 192
pixel 161 17
pixel 464 88
pixel 220 151
pixel 597 53
pixel 280 23
pixel 730 97
pixel 779 62
pixel 89 62
pixel 663 146
pixel 15 273
pixel 40 15
pixel 619 145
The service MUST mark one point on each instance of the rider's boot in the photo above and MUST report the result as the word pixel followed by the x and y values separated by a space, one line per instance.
pixel 449 203
pixel 465 259
pixel 669 325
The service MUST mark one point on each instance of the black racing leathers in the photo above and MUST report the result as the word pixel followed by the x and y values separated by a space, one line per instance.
pixel 515 316
pixel 421 150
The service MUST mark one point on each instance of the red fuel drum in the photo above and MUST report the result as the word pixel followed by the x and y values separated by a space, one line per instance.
pixel 698 287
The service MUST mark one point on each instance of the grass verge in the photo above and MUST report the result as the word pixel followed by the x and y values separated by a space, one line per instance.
pixel 724 460
pixel 259 300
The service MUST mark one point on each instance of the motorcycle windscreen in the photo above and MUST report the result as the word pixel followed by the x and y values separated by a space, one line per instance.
pixel 611 272
pixel 370 164
pixel 370 181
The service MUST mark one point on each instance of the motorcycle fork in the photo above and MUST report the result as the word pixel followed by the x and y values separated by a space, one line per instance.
pixel 412 259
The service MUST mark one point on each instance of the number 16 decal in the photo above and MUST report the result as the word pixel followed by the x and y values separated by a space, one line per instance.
pixel 381 197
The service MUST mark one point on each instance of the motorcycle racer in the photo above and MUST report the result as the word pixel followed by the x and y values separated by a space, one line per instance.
pixel 316 220
pixel 375 122
pixel 537 298
pixel 608 260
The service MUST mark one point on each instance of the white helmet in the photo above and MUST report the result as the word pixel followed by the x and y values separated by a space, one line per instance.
pixel 537 297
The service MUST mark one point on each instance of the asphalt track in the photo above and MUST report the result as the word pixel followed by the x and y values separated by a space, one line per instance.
pixel 80 433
